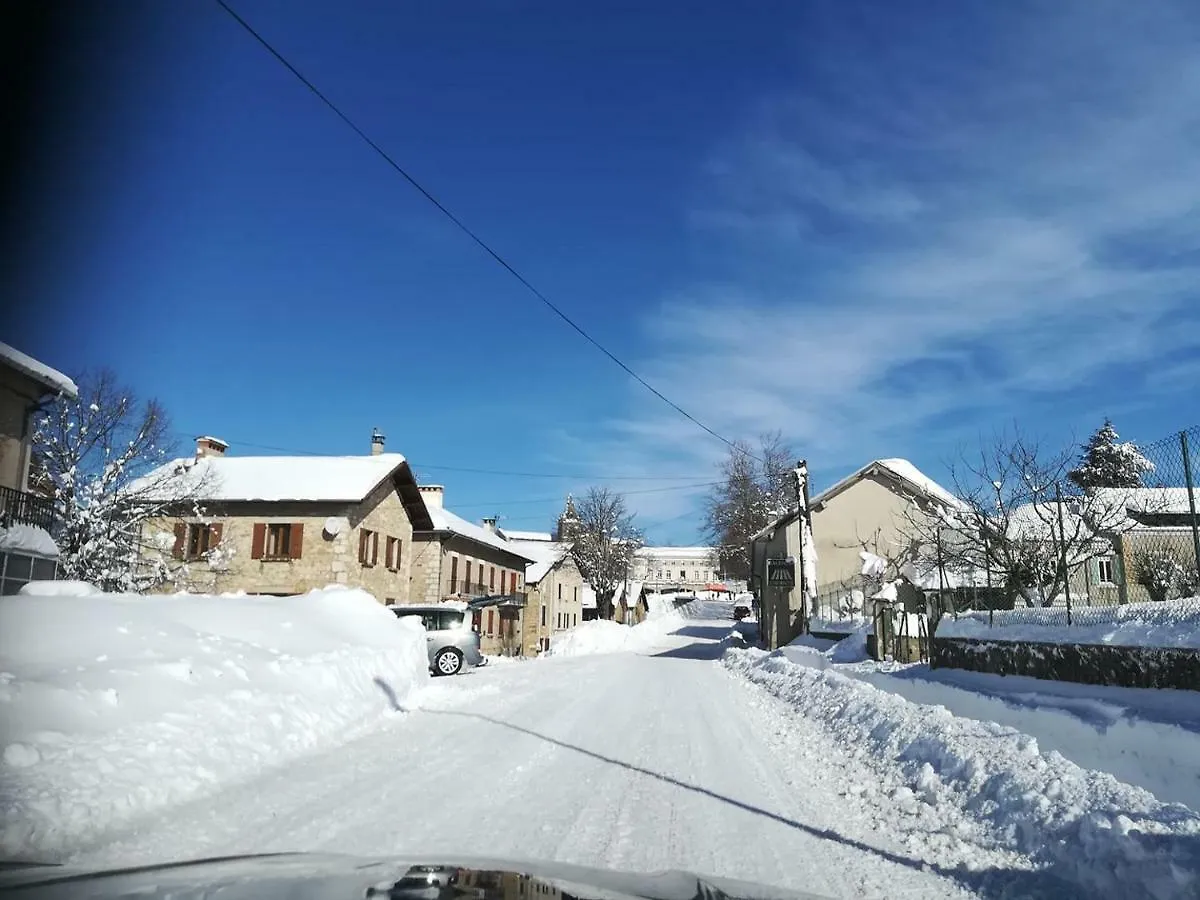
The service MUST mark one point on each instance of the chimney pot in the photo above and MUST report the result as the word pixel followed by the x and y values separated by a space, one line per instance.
pixel 210 446
pixel 490 524
pixel 377 440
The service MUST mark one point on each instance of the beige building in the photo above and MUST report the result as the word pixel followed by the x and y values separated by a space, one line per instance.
pixel 1158 523
pixel 27 550
pixel 285 525
pixel 866 510
pixel 457 559
pixel 556 588
pixel 675 568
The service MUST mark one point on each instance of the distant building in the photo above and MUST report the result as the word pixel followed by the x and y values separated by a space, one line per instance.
pixel 675 568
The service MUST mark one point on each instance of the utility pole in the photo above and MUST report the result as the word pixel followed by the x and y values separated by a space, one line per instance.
pixel 800 474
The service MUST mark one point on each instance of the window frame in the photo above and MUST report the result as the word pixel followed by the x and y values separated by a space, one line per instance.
pixel 195 529
pixel 272 550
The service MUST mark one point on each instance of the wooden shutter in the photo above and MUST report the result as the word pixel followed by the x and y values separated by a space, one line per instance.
pixel 387 552
pixel 492 578
pixel 374 547
pixel 454 574
pixel 491 621
pixel 180 540
pixel 296 542
pixel 399 551
pixel 512 579
pixel 363 536
pixel 258 540
pixel 214 535
pixel 467 579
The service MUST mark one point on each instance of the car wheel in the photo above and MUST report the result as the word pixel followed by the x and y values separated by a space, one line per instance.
pixel 448 662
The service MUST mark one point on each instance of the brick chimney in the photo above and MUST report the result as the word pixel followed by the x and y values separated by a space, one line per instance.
pixel 432 494
pixel 377 440
pixel 210 446
pixel 489 525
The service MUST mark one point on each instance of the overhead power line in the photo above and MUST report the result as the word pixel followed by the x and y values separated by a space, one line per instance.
pixel 480 242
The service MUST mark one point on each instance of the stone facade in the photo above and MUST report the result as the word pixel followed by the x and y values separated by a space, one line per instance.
pixel 326 546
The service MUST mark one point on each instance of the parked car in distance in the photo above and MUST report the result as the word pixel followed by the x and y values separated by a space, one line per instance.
pixel 452 643
pixel 741 611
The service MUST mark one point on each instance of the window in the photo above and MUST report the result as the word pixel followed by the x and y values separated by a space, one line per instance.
pixel 543 616
pixel 368 547
pixel 392 555
pixel 390 601
pixel 467 579
pixel 574 619
pixel 454 574
pixel 195 540
pixel 683 574
pixel 275 541
pixel 512 583
pixel 575 593
pixel 1106 570
pixel 491 621
pixel 492 578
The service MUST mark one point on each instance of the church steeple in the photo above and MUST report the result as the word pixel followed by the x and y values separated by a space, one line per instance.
pixel 568 522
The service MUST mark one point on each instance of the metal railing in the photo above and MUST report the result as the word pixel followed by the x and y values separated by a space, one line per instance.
pixel 24 507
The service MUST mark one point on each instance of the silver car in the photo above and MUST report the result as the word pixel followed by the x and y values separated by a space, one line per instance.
pixel 451 641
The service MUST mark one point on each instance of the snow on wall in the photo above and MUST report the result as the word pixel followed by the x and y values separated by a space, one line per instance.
pixel 1085 827
pixel 1175 623
pixel 147 701
pixel 22 538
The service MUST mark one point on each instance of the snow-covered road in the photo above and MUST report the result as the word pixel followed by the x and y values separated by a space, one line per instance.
pixel 648 761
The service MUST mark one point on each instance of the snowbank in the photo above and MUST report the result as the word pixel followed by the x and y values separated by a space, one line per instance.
pixel 602 636
pixel 1109 838
pixel 1175 623
pixel 116 705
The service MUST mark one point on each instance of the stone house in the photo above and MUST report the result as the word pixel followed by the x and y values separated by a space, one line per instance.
pixel 454 558
pixel 27 550
pixel 284 525
pixel 867 509
pixel 556 591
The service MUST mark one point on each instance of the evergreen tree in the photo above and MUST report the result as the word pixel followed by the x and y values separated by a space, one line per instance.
pixel 1109 462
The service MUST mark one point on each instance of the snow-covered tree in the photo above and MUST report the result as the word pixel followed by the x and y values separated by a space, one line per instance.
pixel 1163 574
pixel 95 455
pixel 1109 462
pixel 756 486
pixel 605 540
pixel 1022 517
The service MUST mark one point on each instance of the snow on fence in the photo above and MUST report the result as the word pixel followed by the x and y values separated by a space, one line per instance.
pixel 1174 623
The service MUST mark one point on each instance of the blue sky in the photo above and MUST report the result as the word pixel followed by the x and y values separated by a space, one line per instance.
pixel 881 228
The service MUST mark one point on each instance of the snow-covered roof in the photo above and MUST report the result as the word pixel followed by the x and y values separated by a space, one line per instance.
pixel 444 520
pixel 544 555
pixel 274 478
pixel 543 536
pixel 674 552
pixel 898 468
pixel 1166 500
pixel 39 371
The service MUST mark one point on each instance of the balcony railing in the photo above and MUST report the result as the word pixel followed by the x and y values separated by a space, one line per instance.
pixel 24 507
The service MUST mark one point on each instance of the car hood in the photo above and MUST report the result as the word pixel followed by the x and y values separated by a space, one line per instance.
pixel 331 877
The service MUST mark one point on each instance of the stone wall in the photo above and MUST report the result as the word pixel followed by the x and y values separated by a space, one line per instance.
pixel 323 559
pixel 1148 667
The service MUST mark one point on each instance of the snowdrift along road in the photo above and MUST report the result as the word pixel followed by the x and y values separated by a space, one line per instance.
pixel 114 706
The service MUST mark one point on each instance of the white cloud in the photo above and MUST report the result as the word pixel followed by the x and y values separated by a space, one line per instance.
pixel 933 250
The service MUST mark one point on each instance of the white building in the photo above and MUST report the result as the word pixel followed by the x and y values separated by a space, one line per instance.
pixel 682 568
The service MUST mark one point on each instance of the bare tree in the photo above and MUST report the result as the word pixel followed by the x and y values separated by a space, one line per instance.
pixel 98 459
pixel 755 488
pixel 1020 518
pixel 604 542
